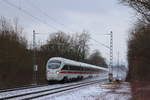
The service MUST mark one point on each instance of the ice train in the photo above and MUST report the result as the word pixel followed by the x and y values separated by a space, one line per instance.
pixel 58 68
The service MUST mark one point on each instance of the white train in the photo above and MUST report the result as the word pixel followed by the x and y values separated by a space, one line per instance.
pixel 58 69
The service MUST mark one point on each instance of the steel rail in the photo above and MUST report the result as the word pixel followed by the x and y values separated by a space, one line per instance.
pixel 21 88
pixel 65 89
pixel 57 89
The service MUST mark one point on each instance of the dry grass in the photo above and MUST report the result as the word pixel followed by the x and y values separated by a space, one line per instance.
pixel 115 91
pixel 140 90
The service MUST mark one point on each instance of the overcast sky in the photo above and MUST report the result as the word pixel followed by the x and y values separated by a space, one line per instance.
pixel 98 17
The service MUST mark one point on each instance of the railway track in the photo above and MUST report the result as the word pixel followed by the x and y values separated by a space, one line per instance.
pixel 45 92
pixel 21 88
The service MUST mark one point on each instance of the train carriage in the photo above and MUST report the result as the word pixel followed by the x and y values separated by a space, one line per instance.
pixel 58 69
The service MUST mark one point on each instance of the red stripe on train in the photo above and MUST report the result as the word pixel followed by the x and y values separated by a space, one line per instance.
pixel 63 72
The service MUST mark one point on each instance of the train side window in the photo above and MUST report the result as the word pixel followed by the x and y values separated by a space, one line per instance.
pixel 91 69
pixel 66 67
pixel 81 68
pixel 70 67
pixel 73 67
pixel 86 69
pixel 77 68
pixel 94 69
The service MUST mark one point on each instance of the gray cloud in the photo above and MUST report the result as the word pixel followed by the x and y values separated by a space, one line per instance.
pixel 96 16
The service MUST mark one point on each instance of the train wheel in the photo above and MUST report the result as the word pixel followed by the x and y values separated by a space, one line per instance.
pixel 52 82
pixel 81 77
pixel 65 79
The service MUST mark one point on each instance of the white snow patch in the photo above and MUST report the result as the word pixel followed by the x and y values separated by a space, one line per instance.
pixel 94 92
pixel 30 90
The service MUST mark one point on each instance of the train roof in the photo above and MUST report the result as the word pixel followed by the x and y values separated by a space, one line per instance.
pixel 72 62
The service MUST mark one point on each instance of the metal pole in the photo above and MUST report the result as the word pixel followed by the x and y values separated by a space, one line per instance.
pixel 118 66
pixel 111 52
pixel 111 58
pixel 34 58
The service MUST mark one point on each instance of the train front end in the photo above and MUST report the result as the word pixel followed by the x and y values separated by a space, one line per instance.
pixel 53 68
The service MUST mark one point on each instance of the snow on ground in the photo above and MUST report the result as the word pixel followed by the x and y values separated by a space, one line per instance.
pixel 99 91
pixel 30 90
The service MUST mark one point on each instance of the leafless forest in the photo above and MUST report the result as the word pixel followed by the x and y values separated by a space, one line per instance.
pixel 16 57
pixel 138 50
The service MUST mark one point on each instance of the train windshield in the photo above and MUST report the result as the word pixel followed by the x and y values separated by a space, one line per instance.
pixel 54 64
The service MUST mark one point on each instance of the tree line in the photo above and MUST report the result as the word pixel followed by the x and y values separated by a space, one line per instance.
pixel 139 50
pixel 138 43
pixel 16 58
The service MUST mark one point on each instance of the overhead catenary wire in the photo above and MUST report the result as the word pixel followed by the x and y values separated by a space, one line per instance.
pixel 29 14
pixel 47 15
pixel 38 19
pixel 100 43
pixel 44 13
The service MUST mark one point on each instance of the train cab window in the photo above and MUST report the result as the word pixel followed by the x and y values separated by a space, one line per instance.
pixel 54 64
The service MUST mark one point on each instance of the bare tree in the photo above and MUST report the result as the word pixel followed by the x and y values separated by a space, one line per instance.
pixel 97 59
pixel 14 56
pixel 73 47
pixel 141 6
pixel 83 42
pixel 138 53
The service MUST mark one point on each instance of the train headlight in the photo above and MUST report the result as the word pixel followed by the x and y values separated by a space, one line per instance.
pixel 48 72
pixel 57 72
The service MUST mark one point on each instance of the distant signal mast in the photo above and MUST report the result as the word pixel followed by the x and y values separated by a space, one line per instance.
pixel 111 58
